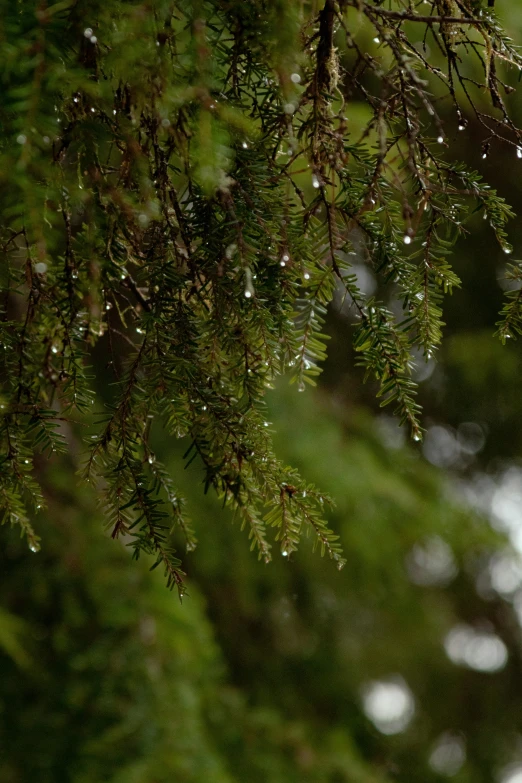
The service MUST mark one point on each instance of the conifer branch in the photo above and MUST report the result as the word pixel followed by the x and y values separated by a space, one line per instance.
pixel 189 205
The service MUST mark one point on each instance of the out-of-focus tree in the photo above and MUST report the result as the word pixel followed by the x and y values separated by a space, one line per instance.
pixel 394 668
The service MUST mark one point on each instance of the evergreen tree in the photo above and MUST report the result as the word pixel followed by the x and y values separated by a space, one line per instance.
pixel 262 674
pixel 184 189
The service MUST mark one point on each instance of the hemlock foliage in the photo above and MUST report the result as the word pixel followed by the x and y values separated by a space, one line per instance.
pixel 182 192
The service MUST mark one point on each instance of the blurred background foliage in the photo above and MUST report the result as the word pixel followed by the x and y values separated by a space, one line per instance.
pixel 406 665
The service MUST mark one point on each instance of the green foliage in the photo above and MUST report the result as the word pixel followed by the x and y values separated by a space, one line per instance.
pixel 260 675
pixel 511 323
pixel 182 194
pixel 117 678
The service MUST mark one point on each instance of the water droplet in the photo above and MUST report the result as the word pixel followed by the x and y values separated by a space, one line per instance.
pixel 54 349
pixel 87 32
pixel 416 436
pixel 519 152
pixel 407 239
pixel 301 386
pixel 340 565
pixel 440 139
pixel 93 39
pixel 21 139
pixel 306 276
pixel 295 78
pixel 108 306
pixel 462 127
pixel 289 108
pixel 376 40
pixel 315 182
pixel 34 547
pixel 484 155
pixel 282 263
pixel 245 145
pixel 284 553
pixel 249 288
pixel 40 268
pixel 507 249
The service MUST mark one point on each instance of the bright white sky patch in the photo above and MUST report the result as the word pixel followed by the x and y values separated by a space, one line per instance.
pixel 479 650
pixel 505 572
pixel 512 774
pixel 448 754
pixel 441 447
pixel 389 704
pixel 431 563
pixel 506 505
